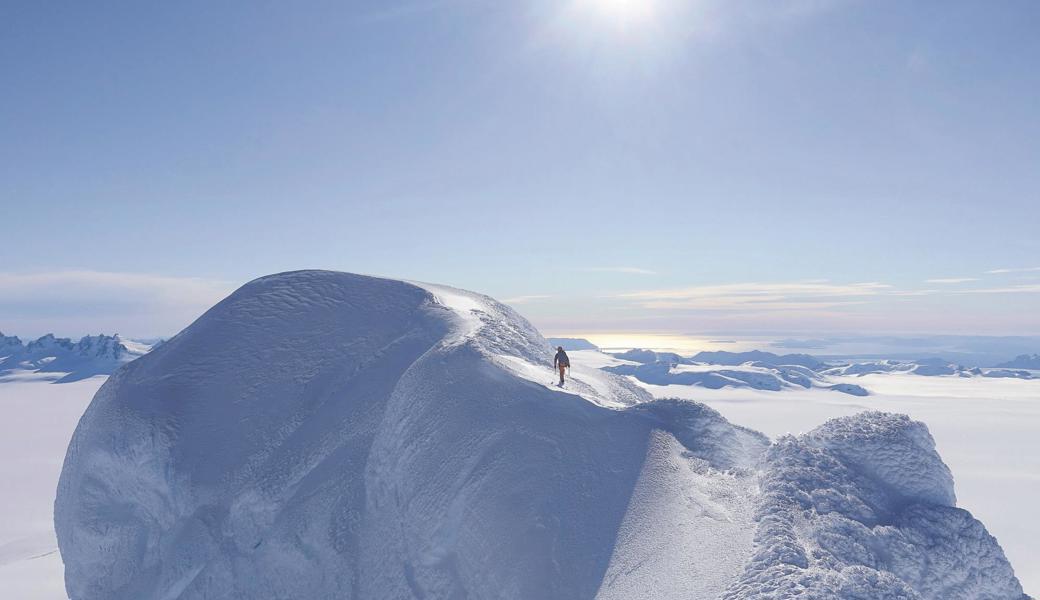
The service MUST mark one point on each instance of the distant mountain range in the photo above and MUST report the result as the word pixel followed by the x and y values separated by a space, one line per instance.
pixel 572 343
pixel 739 358
pixel 768 371
pixel 730 359
pixel 1023 361
pixel 72 360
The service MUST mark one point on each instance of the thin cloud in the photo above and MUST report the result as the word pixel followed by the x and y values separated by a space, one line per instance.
pixel 1019 270
pixel 15 285
pixel 74 302
pixel 1033 288
pixel 625 270
pixel 952 280
pixel 759 296
pixel 526 299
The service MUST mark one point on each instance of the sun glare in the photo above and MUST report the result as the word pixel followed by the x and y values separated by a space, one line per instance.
pixel 621 13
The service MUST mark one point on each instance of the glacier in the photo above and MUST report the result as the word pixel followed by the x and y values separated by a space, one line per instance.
pixel 328 435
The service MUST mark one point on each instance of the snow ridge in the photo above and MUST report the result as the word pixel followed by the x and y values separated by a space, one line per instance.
pixel 327 435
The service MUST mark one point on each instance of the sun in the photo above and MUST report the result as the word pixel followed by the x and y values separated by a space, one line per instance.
pixel 621 13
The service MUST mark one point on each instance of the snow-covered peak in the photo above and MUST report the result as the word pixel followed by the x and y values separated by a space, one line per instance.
pixel 102 346
pixel 49 345
pixel 321 434
pixel 1023 361
pixel 573 343
pixel 722 357
pixel 8 345
pixel 641 355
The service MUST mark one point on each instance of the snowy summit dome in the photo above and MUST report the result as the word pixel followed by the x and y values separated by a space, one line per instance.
pixel 323 435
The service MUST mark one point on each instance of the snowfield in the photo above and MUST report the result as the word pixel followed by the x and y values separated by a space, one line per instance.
pixel 325 435
pixel 32 446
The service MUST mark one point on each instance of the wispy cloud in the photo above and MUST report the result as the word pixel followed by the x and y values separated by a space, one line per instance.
pixel 952 280
pixel 526 299
pixel 758 296
pixel 625 270
pixel 806 296
pixel 1018 270
pixel 73 302
pixel 1032 288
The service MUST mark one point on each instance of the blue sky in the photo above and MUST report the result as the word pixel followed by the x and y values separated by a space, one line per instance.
pixel 605 165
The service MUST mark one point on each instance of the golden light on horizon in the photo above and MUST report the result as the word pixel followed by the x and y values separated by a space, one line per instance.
pixel 667 342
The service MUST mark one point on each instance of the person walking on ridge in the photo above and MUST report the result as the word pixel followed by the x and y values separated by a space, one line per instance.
pixel 561 362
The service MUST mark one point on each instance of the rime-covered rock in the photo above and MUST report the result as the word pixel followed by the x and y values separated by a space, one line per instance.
pixel 863 507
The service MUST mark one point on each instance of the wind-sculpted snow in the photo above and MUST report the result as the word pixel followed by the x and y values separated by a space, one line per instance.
pixel 705 434
pixel 862 508
pixel 324 435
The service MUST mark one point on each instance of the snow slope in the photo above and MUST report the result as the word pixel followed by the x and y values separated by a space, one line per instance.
pixel 320 435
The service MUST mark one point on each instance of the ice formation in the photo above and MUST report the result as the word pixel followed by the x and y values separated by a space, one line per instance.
pixel 863 508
